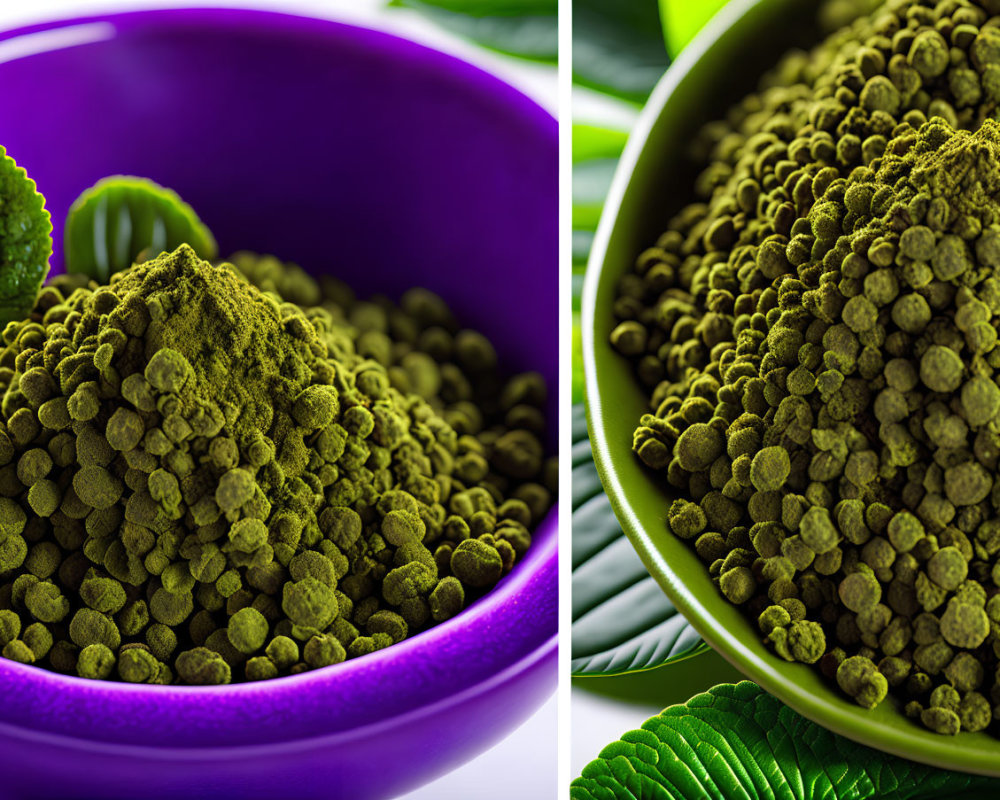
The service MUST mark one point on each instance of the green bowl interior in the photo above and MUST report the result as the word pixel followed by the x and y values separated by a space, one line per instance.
pixel 653 182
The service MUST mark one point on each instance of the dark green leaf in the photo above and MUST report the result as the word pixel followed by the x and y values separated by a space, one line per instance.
pixel 618 46
pixel 25 240
pixel 523 28
pixel 622 621
pixel 736 741
pixel 119 217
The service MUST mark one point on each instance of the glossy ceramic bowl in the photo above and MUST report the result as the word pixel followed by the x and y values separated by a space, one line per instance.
pixel 353 153
pixel 652 183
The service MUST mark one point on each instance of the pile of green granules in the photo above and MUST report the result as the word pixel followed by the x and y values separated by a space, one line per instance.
pixel 203 481
pixel 818 336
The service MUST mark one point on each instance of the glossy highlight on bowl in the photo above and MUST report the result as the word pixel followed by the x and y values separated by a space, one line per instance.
pixel 354 153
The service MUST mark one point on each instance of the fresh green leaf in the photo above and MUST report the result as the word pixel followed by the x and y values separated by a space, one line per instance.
pixel 25 240
pixel 662 686
pixel 119 217
pixel 682 19
pixel 736 742
pixel 622 621
pixel 524 28
pixel 618 47
pixel 577 387
pixel 593 141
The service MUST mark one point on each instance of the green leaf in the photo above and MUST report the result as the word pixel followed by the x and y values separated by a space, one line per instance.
pixel 682 19
pixel 736 742
pixel 25 240
pixel 118 218
pixel 524 28
pixel 591 181
pixel 577 386
pixel 662 686
pixel 622 621
pixel 593 141
pixel 618 47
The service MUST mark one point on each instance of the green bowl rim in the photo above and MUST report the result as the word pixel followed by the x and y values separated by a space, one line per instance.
pixel 831 711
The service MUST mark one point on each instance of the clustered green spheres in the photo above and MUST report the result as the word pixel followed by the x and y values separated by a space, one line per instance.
pixel 818 337
pixel 214 473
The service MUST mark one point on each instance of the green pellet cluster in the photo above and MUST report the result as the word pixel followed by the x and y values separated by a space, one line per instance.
pixel 203 481
pixel 818 335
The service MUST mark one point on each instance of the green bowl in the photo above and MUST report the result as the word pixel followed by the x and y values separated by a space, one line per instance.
pixel 652 183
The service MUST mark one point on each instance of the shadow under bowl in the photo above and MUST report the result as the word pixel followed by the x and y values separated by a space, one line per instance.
pixel 357 154
pixel 653 183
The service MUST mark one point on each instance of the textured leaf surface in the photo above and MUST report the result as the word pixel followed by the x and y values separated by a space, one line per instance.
pixel 119 217
pixel 523 28
pixel 618 46
pixel 622 621
pixel 736 742
pixel 25 240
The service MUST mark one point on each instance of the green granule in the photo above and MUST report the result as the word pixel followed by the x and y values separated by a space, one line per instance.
pixel 818 337
pixel 202 481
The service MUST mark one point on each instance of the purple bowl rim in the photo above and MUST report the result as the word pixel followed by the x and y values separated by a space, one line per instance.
pixel 535 633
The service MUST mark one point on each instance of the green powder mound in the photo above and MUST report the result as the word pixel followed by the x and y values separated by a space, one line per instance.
pixel 201 482
pixel 818 337
pixel 233 337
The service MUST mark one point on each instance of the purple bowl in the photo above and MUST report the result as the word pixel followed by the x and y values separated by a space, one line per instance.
pixel 353 153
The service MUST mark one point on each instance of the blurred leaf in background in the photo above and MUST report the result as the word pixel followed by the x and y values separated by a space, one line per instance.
pixel 682 19
pixel 596 150
pixel 622 620
pixel 523 28
pixel 618 47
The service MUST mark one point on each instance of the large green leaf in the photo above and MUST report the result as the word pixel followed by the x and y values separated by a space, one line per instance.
pixel 736 742
pixel 682 19
pixel 662 686
pixel 523 28
pixel 622 621
pixel 618 46
pixel 25 240
pixel 118 218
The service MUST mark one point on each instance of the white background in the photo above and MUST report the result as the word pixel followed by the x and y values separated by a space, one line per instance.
pixel 522 767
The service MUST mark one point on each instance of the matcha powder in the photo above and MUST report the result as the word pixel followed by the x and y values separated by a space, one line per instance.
pixel 202 482
pixel 818 336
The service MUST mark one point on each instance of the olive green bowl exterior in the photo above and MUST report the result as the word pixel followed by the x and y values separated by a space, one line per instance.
pixel 653 182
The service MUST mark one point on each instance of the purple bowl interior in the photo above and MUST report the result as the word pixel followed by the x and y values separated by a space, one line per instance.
pixel 353 153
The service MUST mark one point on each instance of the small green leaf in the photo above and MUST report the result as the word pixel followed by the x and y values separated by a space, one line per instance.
pixel 622 621
pixel 523 28
pixel 618 47
pixel 119 217
pixel 25 240
pixel 736 741
pixel 682 20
